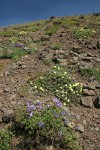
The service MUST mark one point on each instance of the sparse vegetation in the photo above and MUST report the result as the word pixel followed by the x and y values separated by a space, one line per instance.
pixel 47 125
pixel 83 32
pixel 91 71
pixel 62 55
pixel 52 30
pixel 58 82
pixel 5 140
pixel 55 46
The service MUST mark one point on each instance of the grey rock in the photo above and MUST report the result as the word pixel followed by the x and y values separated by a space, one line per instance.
pixel 5 119
pixel 89 86
pixel 14 67
pixel 87 102
pixel 88 59
pixel 84 122
pixel 12 97
pixel 6 89
pixel 1 105
pixel 45 38
pixel 97 102
pixel 1 75
pixel 0 119
pixel 66 109
pixel 23 66
pixel 88 92
pixel 80 128
pixel 8 116
pixel 13 103
pixel 98 86
pixel 97 129
pixel 3 109
pixel 9 112
pixel 77 49
pixel 78 117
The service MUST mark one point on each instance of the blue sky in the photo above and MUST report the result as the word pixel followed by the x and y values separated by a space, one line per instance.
pixel 22 11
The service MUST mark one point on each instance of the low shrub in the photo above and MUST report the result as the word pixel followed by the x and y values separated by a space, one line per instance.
pixel 83 32
pixel 47 125
pixel 5 140
pixel 58 83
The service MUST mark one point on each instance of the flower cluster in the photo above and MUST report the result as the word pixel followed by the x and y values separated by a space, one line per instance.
pixel 57 82
pixel 53 121
pixel 83 32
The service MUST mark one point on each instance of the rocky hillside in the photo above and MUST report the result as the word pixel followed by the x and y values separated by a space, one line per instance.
pixel 31 50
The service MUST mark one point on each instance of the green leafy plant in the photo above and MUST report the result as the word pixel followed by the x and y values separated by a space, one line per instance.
pixel 90 71
pixel 52 30
pixel 55 47
pixel 47 125
pixel 5 140
pixel 5 54
pixel 83 32
pixel 17 53
pixel 57 82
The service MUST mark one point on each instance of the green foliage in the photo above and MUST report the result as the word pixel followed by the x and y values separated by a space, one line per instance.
pixel 17 53
pixel 5 139
pixel 5 54
pixel 52 30
pixel 57 82
pixel 70 22
pixel 90 71
pixel 49 125
pixel 55 46
pixel 47 60
pixel 8 33
pixel 83 33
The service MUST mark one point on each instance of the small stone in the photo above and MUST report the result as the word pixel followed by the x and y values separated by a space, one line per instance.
pixel 66 109
pixel 1 75
pixel 89 86
pixel 97 129
pixel 12 97
pixel 87 102
pixel 98 86
pixel 49 147
pixel 71 124
pixel 6 119
pixel 8 116
pixel 6 89
pixel 23 66
pixel 88 59
pixel 80 128
pixel 77 48
pixel 1 105
pixel 78 117
pixel 13 103
pixel 7 73
pixel 0 119
pixel 97 102
pixel 1 92
pixel 84 122
pixel 88 92
pixel 45 38
pixel 3 109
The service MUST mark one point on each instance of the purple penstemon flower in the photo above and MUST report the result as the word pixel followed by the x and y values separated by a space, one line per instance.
pixel 40 106
pixel 63 113
pixel 56 115
pixel 30 107
pixel 66 121
pixel 56 100
pixel 58 103
pixel 40 124
pixel 31 114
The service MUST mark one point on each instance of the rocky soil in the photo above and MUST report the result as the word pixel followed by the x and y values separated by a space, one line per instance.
pixel 72 53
